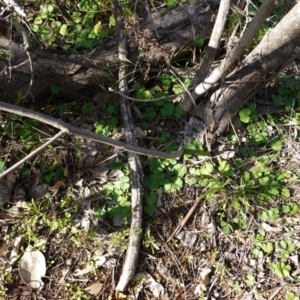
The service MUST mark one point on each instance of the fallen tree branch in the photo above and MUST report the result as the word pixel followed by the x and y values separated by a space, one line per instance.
pixel 132 254
pixel 188 99
pixel 84 133
pixel 263 12
pixel 277 49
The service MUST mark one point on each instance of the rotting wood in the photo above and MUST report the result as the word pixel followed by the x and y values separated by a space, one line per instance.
pixel 83 74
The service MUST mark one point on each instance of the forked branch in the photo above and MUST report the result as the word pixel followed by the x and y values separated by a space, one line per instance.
pixel 59 124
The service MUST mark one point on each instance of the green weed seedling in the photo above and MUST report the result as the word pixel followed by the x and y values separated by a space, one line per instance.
pixel 86 23
pixel 119 191
pixel 25 130
pixel 87 108
pixel 281 269
pixel 109 122
pixel 250 280
pixel 285 247
pixel 291 208
pixel 291 296
pixel 288 92
pixel 52 174
pixel 77 292
pixel 248 114
pixel 149 241
pixel 269 215
pixel 165 173
pixel 120 239
pixel 258 131
pixel 150 203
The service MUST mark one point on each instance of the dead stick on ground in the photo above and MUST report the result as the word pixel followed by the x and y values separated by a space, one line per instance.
pixel 132 254
pixel 67 128
pixel 232 56
pixel 32 154
pixel 188 215
pixel 188 99
pixel 184 220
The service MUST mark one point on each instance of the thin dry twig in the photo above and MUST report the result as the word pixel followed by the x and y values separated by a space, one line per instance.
pixel 132 254
pixel 32 154
pixel 84 133
pixel 22 31
pixel 188 215
pixel 184 220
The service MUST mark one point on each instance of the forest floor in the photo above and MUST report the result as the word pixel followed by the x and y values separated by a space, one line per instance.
pixel 242 242
pixel 72 202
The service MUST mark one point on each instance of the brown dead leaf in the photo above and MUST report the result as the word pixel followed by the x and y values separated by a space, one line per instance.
pixel 94 288
pixel 56 186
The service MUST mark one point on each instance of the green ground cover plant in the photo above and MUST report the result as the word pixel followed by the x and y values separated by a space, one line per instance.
pixel 77 24
pixel 251 196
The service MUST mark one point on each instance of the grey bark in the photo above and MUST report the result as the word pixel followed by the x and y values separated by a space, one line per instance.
pixel 161 37
pixel 277 49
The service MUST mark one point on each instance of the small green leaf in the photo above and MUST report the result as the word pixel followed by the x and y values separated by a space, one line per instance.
pixel 97 27
pixel 250 281
pixel 246 176
pixel 179 111
pixel 149 210
pixel 124 182
pixel 180 170
pixel 50 8
pixel 166 80
pixel 190 179
pixel 171 3
pixel 150 112
pixel 55 90
pixel 199 41
pixel 177 89
pixel 112 21
pixel 164 137
pixel 152 198
pixel 167 110
pixel 111 109
pixel 245 115
pixel 87 108
pixel 263 216
pixel 276 144
pixel 2 166
pixel 225 168
pixel 226 227
pixel 207 168
pixel 63 29
pixel 283 245
pixel 281 269
pixel 294 208
pixel 143 94
pixel 291 296
pixel 268 247
pixel 285 193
